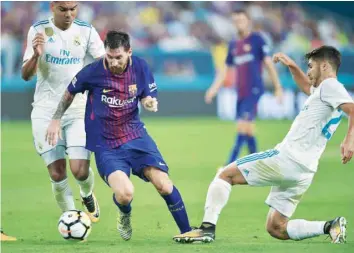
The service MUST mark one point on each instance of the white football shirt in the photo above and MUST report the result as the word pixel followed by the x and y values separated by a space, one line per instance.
pixel 62 59
pixel 316 123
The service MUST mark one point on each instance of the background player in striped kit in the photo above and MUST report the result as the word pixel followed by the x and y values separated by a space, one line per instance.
pixel 114 131
pixel 247 55
pixel 290 167
pixel 55 51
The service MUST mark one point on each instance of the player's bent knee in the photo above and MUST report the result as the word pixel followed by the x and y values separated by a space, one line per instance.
pixel 57 170
pixel 243 127
pixel 80 169
pixel 124 194
pixel 277 230
pixel 124 197
pixel 165 187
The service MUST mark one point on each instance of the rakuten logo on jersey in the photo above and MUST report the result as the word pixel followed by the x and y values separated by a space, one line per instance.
pixel 116 102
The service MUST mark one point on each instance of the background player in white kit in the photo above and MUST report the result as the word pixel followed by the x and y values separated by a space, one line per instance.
pixel 290 167
pixel 56 49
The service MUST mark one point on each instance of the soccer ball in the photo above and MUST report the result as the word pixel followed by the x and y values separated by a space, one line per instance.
pixel 74 225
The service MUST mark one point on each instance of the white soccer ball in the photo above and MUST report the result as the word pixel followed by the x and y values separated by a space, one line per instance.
pixel 74 225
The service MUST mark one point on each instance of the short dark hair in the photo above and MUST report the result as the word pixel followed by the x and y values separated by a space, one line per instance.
pixel 116 39
pixel 327 53
pixel 241 11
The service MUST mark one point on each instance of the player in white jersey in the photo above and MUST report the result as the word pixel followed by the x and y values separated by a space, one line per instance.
pixel 289 167
pixel 55 51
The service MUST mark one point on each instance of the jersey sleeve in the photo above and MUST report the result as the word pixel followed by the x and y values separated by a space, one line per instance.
pixel 229 58
pixel 265 48
pixel 95 44
pixel 29 48
pixel 334 94
pixel 149 85
pixel 80 82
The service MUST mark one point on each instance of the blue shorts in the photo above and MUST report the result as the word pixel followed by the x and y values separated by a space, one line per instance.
pixel 247 108
pixel 134 155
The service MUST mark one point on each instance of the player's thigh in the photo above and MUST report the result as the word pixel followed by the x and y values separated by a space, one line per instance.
pixel 262 169
pixel 231 174
pixel 75 137
pixel 111 160
pixel 285 198
pixel 48 152
pixel 143 153
pixel 120 184
pixel 247 108
pixel 159 179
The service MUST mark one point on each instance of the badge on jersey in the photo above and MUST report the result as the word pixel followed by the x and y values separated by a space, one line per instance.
pixel 49 31
pixel 73 82
pixel 77 41
pixel 247 47
pixel 133 89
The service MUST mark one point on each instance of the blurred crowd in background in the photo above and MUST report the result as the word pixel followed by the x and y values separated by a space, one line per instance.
pixel 183 26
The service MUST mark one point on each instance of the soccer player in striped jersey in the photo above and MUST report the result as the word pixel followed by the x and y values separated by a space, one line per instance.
pixel 290 167
pixel 248 54
pixel 114 131
pixel 56 48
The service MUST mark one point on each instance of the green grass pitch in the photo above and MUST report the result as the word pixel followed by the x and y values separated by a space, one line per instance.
pixel 193 148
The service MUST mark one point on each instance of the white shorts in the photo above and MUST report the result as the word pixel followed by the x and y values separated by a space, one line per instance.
pixel 73 133
pixel 289 179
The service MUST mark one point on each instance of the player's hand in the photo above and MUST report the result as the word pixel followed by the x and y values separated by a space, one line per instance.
pixel 283 58
pixel 209 95
pixel 53 132
pixel 38 44
pixel 150 103
pixel 347 150
pixel 279 95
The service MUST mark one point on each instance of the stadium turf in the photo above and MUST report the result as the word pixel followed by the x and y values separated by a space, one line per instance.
pixel 193 149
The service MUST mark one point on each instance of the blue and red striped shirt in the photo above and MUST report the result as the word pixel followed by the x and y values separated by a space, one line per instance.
pixel 112 113
pixel 247 56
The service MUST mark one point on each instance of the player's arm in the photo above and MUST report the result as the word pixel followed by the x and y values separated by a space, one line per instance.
pixel 78 84
pixel 336 96
pixel 221 75
pixel 269 65
pixel 217 84
pixel 299 76
pixel 34 50
pixel 54 129
pixel 347 146
pixel 149 96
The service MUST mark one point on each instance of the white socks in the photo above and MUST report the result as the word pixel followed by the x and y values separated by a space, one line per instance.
pixel 302 229
pixel 86 186
pixel 217 197
pixel 63 195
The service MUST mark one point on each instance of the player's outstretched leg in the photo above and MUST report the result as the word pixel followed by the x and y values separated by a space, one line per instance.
pixel 217 197
pixel 85 179
pixel 280 227
pixel 171 195
pixel 123 195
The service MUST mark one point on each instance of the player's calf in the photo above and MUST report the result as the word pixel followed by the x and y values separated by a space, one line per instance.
pixel 171 196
